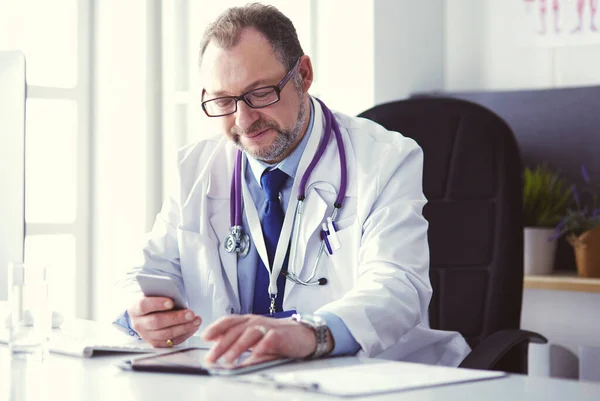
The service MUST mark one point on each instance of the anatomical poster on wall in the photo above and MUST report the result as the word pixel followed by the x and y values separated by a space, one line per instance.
pixel 562 22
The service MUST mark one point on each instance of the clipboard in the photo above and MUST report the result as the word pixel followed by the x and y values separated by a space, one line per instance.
pixel 191 361
pixel 370 378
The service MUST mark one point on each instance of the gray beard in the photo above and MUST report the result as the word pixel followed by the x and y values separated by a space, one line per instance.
pixel 285 137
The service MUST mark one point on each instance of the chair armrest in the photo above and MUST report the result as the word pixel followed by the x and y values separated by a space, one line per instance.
pixel 489 351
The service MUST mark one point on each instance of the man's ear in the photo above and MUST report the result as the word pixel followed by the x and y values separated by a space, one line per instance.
pixel 306 72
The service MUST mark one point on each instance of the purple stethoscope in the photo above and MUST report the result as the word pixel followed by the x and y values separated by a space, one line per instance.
pixel 239 242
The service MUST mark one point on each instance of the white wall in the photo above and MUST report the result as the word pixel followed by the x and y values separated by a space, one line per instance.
pixel 409 46
pixel 486 49
pixel 343 56
pixel 464 44
pixel 379 51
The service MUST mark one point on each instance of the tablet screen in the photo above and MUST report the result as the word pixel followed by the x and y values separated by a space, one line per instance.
pixel 191 360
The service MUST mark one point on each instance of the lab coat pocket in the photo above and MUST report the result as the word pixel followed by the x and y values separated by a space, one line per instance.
pixel 344 261
pixel 198 257
pixel 203 276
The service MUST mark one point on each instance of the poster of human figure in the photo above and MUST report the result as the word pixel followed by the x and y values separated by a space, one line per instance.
pixel 563 22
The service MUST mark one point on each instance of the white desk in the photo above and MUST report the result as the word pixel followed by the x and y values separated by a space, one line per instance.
pixel 73 379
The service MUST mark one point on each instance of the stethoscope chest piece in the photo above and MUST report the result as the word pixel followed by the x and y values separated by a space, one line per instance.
pixel 237 242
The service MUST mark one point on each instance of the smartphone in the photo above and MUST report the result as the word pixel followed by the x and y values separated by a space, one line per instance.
pixel 191 360
pixel 154 285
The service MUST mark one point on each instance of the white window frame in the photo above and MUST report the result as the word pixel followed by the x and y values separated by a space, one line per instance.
pixel 81 95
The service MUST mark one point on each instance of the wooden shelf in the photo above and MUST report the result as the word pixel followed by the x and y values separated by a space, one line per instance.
pixel 562 282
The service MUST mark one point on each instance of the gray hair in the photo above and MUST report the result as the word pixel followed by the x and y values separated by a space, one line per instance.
pixel 266 19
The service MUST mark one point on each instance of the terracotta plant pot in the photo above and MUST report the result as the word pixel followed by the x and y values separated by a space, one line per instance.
pixel 587 252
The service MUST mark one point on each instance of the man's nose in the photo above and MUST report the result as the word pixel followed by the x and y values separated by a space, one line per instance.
pixel 245 115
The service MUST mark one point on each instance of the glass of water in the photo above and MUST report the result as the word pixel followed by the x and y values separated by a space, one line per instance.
pixel 30 321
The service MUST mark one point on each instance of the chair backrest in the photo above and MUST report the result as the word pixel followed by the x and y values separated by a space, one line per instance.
pixel 472 180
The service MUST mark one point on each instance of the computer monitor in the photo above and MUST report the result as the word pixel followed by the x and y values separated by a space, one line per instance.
pixel 12 162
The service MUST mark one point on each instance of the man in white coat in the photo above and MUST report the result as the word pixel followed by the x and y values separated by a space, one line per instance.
pixel 374 288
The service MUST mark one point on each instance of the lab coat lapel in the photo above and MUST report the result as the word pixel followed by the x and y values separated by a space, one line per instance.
pixel 219 197
pixel 322 188
pixel 314 205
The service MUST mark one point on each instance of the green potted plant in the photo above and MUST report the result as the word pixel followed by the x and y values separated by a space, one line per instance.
pixel 581 225
pixel 545 199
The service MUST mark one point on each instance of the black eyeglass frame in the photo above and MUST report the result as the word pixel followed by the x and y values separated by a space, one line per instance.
pixel 277 88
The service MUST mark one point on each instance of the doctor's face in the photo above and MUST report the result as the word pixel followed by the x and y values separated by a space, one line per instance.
pixel 269 133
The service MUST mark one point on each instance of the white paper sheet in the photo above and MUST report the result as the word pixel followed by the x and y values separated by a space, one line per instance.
pixel 371 378
pixel 84 344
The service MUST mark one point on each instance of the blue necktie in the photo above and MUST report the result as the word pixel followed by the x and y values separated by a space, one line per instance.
pixel 272 183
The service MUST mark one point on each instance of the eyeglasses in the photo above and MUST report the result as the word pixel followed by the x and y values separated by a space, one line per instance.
pixel 256 98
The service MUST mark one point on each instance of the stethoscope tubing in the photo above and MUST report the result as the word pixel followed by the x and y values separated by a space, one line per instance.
pixel 235 206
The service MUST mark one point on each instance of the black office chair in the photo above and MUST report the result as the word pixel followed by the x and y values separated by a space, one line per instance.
pixel 472 179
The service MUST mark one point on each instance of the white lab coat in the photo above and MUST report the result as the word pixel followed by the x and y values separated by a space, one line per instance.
pixel 378 282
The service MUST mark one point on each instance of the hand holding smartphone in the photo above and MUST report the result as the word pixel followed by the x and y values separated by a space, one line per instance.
pixel 154 285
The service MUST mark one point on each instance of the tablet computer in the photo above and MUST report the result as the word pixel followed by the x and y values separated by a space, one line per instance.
pixel 191 361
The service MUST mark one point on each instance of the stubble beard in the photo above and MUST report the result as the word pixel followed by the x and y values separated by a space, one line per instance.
pixel 284 139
